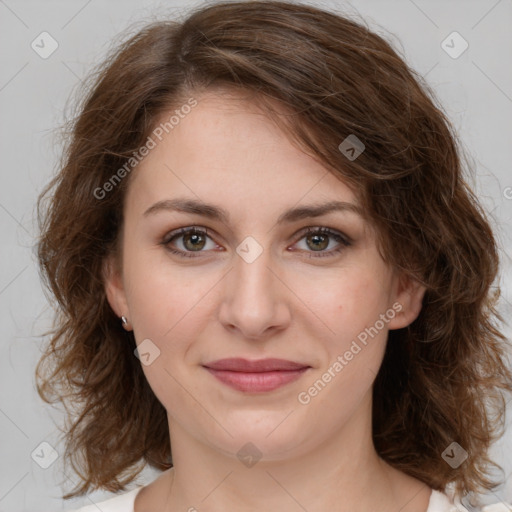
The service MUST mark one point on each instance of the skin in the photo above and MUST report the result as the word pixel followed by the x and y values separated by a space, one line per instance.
pixel 290 304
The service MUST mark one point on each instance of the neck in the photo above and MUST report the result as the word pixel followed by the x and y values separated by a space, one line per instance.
pixel 343 474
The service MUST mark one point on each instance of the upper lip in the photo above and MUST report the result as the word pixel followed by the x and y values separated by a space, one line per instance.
pixel 238 364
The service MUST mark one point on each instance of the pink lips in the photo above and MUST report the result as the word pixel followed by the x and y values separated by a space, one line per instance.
pixel 256 376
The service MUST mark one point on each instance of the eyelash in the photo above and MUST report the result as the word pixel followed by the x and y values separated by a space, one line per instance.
pixel 338 237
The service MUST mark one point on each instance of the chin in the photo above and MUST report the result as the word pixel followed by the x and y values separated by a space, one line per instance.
pixel 270 439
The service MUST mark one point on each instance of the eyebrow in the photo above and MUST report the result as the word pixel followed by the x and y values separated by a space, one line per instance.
pixel 217 213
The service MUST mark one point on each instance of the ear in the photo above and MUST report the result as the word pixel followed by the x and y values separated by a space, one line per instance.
pixel 114 287
pixel 408 298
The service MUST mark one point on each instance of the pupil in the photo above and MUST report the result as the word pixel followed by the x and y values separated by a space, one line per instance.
pixel 318 238
pixel 195 237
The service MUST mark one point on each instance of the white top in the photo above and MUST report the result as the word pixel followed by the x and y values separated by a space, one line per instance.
pixel 439 502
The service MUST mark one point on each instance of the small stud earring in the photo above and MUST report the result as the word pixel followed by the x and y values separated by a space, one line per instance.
pixel 125 322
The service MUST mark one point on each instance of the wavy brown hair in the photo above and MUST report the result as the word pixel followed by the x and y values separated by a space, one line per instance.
pixel 443 378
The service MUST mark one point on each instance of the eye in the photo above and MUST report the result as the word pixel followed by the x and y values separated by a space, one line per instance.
pixel 318 239
pixel 194 239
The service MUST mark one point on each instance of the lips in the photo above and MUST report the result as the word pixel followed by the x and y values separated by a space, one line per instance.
pixel 256 376
pixel 239 364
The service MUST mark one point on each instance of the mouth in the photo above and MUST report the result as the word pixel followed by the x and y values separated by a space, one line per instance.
pixel 256 376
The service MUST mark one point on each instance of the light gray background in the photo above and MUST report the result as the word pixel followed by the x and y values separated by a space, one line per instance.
pixel 475 89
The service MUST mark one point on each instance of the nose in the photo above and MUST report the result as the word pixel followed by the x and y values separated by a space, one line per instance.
pixel 255 298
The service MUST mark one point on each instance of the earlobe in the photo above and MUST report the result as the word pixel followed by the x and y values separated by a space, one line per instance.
pixel 114 288
pixel 408 302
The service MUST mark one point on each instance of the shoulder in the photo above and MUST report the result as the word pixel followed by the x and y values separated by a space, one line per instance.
pixel 121 503
pixel 449 502
pixel 442 502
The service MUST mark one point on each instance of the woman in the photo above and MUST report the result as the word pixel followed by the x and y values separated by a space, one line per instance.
pixel 266 257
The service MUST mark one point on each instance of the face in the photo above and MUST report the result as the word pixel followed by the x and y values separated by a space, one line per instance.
pixel 257 283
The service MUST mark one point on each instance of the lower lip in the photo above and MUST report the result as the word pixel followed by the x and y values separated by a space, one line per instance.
pixel 256 382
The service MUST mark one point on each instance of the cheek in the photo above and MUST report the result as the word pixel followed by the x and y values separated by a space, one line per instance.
pixel 162 295
pixel 348 302
pixel 165 307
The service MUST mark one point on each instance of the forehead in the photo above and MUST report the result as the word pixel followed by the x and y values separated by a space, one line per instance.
pixel 228 151
pixel 225 127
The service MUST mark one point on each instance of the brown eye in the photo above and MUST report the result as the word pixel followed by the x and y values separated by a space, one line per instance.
pixel 194 241
pixel 319 239
pixel 189 241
